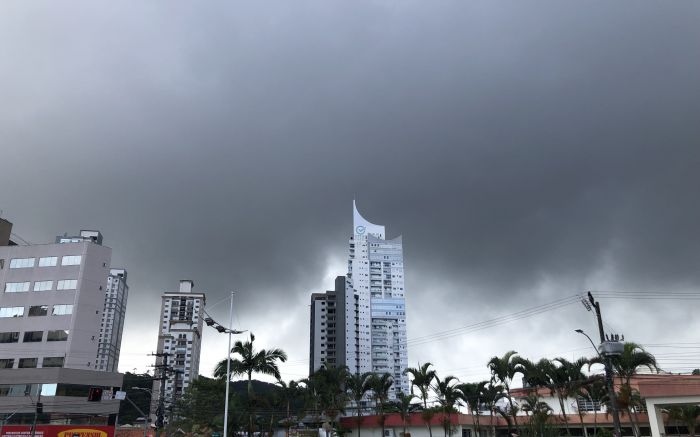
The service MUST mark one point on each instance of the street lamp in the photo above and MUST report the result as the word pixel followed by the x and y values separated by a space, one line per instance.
pixel 211 322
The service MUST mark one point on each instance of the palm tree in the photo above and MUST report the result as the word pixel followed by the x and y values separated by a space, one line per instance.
pixel 628 364
pixel 503 369
pixel 595 391
pixel 422 379
pixel 380 386
pixel 357 386
pixel 448 396
pixel 329 388
pixel 252 361
pixel 491 394
pixel 404 407
pixel 289 393
pixel 565 379
pixel 471 394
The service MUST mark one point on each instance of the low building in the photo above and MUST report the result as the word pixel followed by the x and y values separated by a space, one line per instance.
pixel 659 392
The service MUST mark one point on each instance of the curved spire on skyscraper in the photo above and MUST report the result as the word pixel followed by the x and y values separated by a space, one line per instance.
pixel 363 227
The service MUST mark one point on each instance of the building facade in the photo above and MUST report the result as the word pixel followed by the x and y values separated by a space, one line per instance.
pixel 51 305
pixel 369 319
pixel 112 324
pixel 327 335
pixel 179 343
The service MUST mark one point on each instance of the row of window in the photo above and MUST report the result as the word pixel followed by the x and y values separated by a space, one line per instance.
pixel 48 261
pixel 36 310
pixel 20 287
pixel 34 336
pixel 26 363
pixel 60 389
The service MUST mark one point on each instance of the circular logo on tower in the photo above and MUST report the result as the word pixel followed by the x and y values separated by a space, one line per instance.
pixel 360 230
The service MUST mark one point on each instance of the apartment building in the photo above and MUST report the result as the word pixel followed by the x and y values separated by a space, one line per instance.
pixel 327 334
pixel 367 309
pixel 179 342
pixel 51 306
pixel 112 324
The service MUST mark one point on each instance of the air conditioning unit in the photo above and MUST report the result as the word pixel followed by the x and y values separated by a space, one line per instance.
pixel 389 433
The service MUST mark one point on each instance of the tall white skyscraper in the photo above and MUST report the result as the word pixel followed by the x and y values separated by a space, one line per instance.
pixel 375 338
pixel 362 322
pixel 112 325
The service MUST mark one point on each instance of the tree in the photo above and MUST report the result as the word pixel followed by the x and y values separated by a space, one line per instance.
pixel 380 384
pixel 252 361
pixel 491 394
pixel 448 396
pixel 422 379
pixel 628 364
pixel 565 378
pixel 503 369
pixel 357 386
pixel 289 394
pixel 404 407
pixel 200 409
pixel 328 385
pixel 471 394
pixel 595 391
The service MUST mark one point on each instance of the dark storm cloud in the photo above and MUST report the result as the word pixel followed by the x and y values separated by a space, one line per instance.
pixel 513 145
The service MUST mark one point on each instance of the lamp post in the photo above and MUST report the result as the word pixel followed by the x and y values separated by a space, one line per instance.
pixel 606 350
pixel 210 322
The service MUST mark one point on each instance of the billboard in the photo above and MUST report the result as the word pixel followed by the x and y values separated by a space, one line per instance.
pixel 58 431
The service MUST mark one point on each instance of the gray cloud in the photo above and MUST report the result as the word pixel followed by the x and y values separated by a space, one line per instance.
pixel 525 152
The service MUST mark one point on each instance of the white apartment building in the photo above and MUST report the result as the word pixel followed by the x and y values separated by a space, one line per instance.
pixel 112 324
pixel 180 337
pixel 376 333
pixel 362 323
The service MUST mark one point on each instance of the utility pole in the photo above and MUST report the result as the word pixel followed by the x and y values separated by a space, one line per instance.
pixel 228 366
pixel 39 409
pixel 608 368
pixel 160 411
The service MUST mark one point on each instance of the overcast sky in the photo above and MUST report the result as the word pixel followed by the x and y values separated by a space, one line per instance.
pixel 526 151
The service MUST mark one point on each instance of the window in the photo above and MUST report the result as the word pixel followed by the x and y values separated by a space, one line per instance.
pixel 43 285
pixel 16 287
pixel 7 363
pixel 9 337
pixel 38 310
pixel 25 363
pixel 33 337
pixel 62 310
pixel 22 263
pixel 11 312
pixel 60 335
pixel 71 260
pixel 52 362
pixel 67 284
pixel 49 261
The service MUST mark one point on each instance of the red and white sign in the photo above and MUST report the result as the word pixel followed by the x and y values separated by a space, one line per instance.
pixel 58 431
